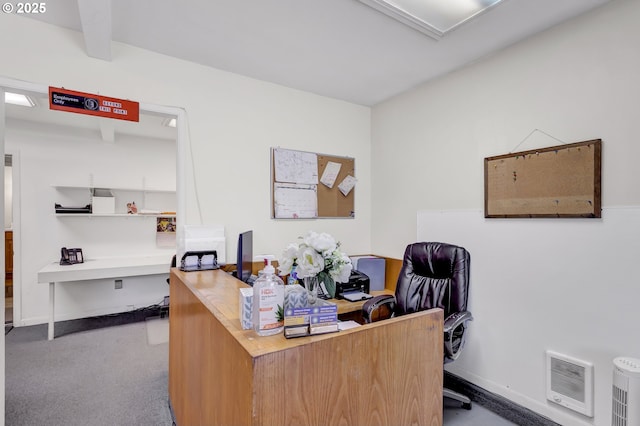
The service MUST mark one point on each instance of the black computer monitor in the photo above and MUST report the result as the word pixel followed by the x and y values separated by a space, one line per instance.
pixel 244 258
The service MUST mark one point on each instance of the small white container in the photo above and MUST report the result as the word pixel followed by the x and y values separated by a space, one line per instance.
pixel 102 201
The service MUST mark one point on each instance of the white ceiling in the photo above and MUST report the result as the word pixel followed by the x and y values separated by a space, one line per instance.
pixel 337 48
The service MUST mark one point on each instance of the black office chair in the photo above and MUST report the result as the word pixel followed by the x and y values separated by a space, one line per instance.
pixel 433 275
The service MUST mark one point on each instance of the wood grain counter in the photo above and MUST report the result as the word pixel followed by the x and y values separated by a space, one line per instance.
pixel 387 373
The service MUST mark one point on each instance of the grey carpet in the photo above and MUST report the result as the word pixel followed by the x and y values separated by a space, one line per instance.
pixel 105 376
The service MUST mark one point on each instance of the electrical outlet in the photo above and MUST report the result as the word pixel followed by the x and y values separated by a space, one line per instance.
pixel 118 284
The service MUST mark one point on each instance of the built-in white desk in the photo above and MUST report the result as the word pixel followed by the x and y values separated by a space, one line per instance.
pixel 95 269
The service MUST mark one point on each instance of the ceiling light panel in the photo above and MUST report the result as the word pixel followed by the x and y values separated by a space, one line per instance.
pixel 18 99
pixel 434 18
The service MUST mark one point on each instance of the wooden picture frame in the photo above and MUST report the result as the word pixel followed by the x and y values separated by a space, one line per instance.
pixel 556 182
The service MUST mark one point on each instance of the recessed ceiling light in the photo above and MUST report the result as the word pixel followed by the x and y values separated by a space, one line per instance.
pixel 169 122
pixel 18 99
pixel 434 18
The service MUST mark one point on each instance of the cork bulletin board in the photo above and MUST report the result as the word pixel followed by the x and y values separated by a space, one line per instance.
pixel 308 185
pixel 559 181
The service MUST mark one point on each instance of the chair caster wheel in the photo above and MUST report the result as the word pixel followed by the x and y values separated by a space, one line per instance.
pixel 466 406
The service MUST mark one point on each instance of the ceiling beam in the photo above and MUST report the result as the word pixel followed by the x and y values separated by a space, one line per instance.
pixel 95 16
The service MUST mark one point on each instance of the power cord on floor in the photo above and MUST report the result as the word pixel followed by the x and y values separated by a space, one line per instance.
pixel 161 306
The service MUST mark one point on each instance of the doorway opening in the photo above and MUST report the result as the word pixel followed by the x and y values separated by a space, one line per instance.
pixel 149 113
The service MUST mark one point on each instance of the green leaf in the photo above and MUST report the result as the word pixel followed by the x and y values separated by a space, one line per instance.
pixel 280 313
pixel 329 283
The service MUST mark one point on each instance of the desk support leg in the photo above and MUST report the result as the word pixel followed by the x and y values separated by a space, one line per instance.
pixel 52 295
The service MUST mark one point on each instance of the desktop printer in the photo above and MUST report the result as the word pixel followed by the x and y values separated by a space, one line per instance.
pixel 357 282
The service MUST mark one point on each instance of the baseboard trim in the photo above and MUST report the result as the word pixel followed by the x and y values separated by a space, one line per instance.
pixel 498 404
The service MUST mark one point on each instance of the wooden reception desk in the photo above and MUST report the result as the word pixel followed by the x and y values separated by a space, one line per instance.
pixel 387 373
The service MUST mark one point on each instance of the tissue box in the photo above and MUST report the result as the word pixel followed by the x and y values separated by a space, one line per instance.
pixel 246 305
pixel 295 296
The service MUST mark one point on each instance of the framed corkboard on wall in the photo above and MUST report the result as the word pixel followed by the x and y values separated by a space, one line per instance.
pixel 308 185
pixel 559 181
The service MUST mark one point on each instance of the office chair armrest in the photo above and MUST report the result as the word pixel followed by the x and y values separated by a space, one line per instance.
pixel 379 308
pixel 454 334
pixel 454 320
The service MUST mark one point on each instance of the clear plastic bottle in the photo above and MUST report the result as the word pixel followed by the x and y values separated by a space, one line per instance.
pixel 268 302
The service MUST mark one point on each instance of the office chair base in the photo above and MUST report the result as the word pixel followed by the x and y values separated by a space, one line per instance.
pixel 466 402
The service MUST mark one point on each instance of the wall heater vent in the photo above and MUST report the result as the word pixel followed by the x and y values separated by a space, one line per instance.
pixel 626 392
pixel 570 383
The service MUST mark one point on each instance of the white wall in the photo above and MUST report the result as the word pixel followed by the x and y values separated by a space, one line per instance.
pixel 576 82
pixel 232 123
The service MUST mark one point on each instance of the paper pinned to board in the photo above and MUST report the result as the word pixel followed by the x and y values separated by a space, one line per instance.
pixel 292 201
pixel 347 185
pixel 295 166
pixel 330 174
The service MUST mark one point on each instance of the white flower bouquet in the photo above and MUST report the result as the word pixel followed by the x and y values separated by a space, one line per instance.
pixel 318 254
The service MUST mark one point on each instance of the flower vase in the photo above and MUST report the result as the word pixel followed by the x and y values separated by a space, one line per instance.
pixel 311 284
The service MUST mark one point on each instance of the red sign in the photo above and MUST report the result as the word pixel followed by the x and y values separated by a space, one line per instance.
pixel 87 103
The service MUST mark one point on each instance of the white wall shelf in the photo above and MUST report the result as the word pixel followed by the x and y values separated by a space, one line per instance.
pixel 113 215
pixel 128 189
pixel 150 199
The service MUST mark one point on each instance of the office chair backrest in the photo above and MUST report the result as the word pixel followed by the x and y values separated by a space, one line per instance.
pixel 433 275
